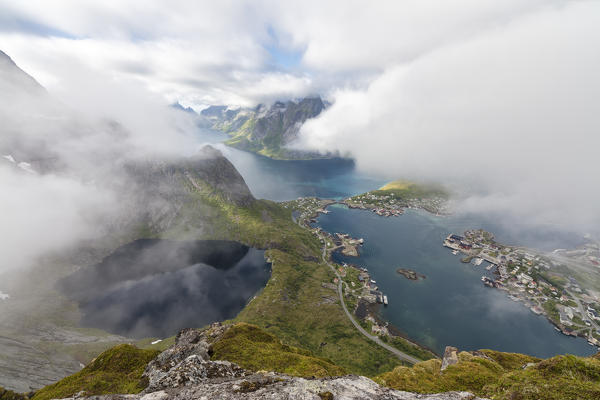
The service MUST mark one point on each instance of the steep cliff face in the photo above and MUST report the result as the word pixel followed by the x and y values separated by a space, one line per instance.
pixel 43 144
pixel 153 197
pixel 266 130
pixel 14 78
pixel 155 191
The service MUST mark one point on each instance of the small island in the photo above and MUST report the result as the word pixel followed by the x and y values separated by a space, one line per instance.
pixel 392 199
pixel 410 274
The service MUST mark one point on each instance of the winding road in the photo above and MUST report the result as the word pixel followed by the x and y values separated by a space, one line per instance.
pixel 401 355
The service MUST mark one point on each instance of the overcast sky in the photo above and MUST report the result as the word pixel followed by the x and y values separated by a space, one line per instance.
pixel 243 52
pixel 501 98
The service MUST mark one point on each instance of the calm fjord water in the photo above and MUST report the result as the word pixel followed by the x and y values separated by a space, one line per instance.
pixel 451 306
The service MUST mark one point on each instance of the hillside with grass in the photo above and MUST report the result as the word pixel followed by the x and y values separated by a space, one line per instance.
pixel 402 189
pixel 116 370
pixel 401 194
pixel 503 376
pixel 126 369
pixel 266 130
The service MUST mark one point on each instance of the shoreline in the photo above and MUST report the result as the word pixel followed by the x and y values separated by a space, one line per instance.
pixel 375 316
pixel 522 275
pixel 373 304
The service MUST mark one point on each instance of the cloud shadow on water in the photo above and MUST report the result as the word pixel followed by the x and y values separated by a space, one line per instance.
pixel 154 287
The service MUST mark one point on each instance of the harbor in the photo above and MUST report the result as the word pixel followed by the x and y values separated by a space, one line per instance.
pixel 450 306
pixel 526 277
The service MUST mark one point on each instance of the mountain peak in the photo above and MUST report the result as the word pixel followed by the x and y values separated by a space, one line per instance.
pixel 14 80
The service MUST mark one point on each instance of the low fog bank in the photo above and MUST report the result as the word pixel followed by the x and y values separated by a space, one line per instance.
pixel 509 118
pixel 64 173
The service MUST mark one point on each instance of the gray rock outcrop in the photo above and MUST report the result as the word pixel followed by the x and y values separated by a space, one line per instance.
pixel 185 371
pixel 450 357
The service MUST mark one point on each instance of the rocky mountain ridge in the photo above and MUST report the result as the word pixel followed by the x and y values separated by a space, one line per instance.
pixel 186 371
pixel 266 130
pixel 40 340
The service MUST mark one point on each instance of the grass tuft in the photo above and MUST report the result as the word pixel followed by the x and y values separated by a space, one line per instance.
pixel 254 349
pixel 117 370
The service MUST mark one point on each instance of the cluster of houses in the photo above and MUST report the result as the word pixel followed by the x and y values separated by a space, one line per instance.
pixel 516 269
pixel 392 206
pixel 370 291
pixel 385 206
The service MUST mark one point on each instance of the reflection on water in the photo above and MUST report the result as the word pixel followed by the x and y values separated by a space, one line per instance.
pixel 282 180
pixel 154 287
pixel 451 306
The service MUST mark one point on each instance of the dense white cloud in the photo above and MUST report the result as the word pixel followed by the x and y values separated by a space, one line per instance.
pixel 46 213
pixel 511 113
pixel 500 97
pixel 202 53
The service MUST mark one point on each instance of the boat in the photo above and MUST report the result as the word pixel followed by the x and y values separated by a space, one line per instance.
pixel 455 252
pixel 489 267
pixel 385 300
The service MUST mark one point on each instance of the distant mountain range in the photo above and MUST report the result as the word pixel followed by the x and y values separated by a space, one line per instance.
pixel 267 130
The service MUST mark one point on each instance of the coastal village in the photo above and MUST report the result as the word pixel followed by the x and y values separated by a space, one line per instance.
pixel 363 286
pixel 361 293
pixel 392 203
pixel 540 281
pixel 549 284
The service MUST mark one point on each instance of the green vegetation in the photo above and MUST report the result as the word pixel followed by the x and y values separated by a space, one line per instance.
pixel 117 370
pixel 499 375
pixel 410 348
pixel 268 146
pixel 398 195
pixel 550 308
pixel 409 190
pixel 160 346
pixel 267 134
pixel 293 305
pixel 10 395
pixel 254 349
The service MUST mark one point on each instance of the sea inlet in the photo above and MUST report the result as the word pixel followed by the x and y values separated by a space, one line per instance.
pixel 452 306
pixel 154 288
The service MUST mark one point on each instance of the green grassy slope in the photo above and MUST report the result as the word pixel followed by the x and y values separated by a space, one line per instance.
pixel 117 370
pixel 401 189
pixel 504 376
pixel 254 349
pixel 10 395
pixel 293 305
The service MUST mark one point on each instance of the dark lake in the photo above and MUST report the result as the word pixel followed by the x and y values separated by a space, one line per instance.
pixel 154 288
